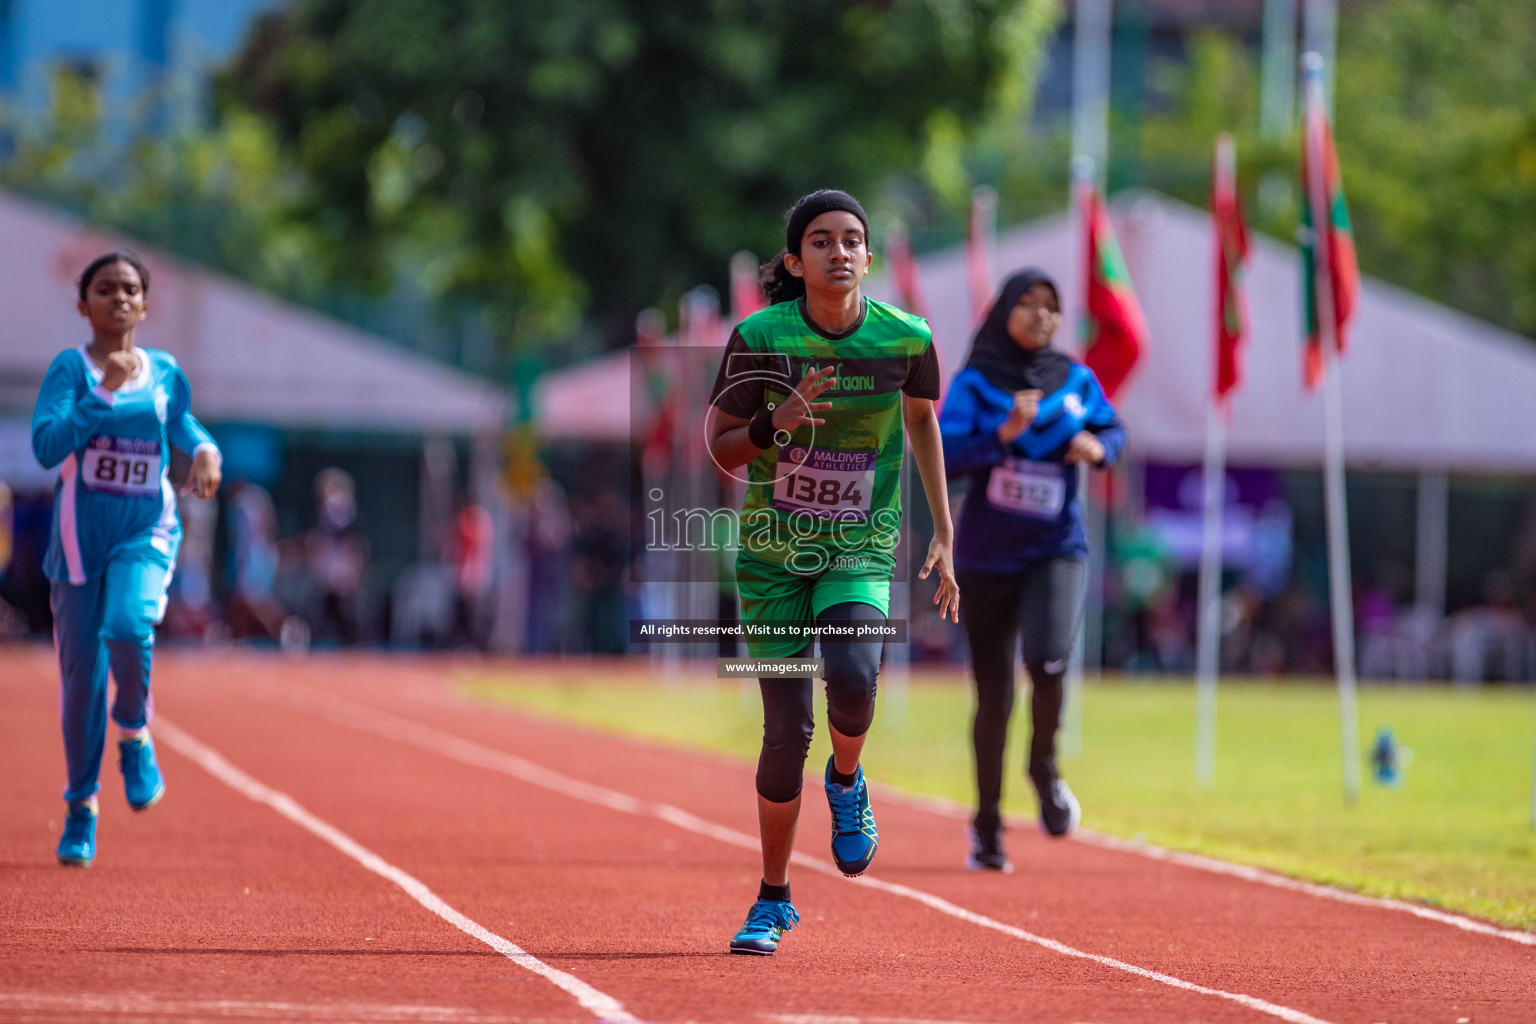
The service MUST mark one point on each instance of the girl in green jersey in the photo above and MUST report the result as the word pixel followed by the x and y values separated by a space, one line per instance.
pixel 814 397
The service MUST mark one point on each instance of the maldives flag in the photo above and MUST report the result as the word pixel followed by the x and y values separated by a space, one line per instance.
pixel 898 248
pixel 1231 254
pixel 746 292
pixel 1115 331
pixel 1323 204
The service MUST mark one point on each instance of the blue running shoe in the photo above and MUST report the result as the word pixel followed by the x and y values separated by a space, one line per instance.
pixel 142 781
pixel 767 922
pixel 77 846
pixel 854 836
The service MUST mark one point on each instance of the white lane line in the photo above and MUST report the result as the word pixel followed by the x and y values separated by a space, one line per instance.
pixel 366 719
pixel 1262 877
pixel 817 1018
pixel 604 1007
pixel 949 809
pixel 156 1007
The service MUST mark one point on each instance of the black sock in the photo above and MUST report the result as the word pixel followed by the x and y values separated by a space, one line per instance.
pixel 841 779
pixel 773 892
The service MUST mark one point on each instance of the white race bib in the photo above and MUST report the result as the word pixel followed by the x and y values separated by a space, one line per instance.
pixel 122 465
pixel 1028 488
pixel 826 483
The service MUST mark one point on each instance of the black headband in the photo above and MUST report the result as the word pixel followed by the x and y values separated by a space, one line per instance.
pixel 813 206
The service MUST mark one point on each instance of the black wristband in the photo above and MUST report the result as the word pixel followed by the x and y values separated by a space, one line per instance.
pixel 761 430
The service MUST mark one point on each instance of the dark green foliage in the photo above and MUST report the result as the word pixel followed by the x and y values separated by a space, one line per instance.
pixel 550 159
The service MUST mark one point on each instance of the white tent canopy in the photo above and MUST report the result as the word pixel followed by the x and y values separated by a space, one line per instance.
pixel 249 358
pixel 1425 387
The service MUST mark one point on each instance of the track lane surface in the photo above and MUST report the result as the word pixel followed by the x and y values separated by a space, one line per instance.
pixel 641 910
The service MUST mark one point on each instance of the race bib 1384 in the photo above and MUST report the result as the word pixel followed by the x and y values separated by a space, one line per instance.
pixel 826 483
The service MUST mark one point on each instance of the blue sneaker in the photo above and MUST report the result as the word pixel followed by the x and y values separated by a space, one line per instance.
pixel 767 922
pixel 77 846
pixel 142 782
pixel 854 836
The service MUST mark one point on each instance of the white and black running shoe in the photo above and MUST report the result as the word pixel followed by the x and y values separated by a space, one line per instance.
pixel 987 851
pixel 1059 809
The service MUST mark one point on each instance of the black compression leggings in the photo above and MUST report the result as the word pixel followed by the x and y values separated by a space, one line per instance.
pixel 1042 604
pixel 851 668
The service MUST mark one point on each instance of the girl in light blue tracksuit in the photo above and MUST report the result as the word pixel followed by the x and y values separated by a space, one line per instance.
pixel 105 417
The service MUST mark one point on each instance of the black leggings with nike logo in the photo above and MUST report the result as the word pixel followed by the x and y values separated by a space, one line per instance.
pixel 1041 607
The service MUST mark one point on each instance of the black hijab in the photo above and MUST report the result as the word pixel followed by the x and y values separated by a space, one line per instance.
pixel 1002 360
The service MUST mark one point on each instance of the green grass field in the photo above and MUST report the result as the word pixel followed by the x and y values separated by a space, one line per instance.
pixel 1456 833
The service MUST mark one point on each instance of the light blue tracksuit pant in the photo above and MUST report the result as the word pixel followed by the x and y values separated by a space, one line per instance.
pixel 109 620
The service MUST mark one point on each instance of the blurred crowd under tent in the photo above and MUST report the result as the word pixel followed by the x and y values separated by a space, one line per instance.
pixel 1437 424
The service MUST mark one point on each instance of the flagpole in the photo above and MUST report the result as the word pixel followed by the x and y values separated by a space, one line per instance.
pixel 1084 171
pixel 1340 587
pixel 1214 472
pixel 1208 649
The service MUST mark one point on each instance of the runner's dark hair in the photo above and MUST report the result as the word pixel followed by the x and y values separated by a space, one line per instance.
pixel 117 256
pixel 779 285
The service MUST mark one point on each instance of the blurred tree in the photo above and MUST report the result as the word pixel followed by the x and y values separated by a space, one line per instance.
pixel 1436 115
pixel 1435 121
pixel 550 159
pixel 219 196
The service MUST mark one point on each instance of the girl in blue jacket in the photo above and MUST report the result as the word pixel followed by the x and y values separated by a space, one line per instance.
pixel 1017 422
pixel 106 417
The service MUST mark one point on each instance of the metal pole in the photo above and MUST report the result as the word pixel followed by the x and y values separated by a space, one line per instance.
pixel 1340 589
pixel 1090 81
pixel 1084 171
pixel 1277 103
pixel 1434 499
pixel 1321 32
pixel 1208 649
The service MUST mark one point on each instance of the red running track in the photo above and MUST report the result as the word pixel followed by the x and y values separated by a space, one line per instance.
pixel 618 869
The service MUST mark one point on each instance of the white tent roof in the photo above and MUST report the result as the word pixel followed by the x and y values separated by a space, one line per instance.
pixel 249 358
pixel 1423 385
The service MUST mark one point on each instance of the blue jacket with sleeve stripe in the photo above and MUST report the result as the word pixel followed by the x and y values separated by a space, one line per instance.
pixel 113 456
pixel 1022 504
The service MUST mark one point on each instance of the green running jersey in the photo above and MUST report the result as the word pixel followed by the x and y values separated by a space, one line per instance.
pixel 828 496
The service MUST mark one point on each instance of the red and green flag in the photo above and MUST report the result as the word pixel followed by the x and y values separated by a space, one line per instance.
pixel 1231 254
pixel 909 287
pixel 1115 331
pixel 746 292
pixel 1325 232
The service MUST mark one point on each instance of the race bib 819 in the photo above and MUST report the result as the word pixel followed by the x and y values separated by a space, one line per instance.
pixel 826 483
pixel 122 465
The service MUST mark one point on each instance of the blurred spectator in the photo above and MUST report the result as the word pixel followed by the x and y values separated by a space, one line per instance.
pixel 548 540
pixel 601 552
pixel 12 622
pixel 253 608
pixel 191 611
pixel 1488 641
pixel 23 586
pixel 471 553
pixel 1146 584
pixel 1377 620
pixel 336 554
